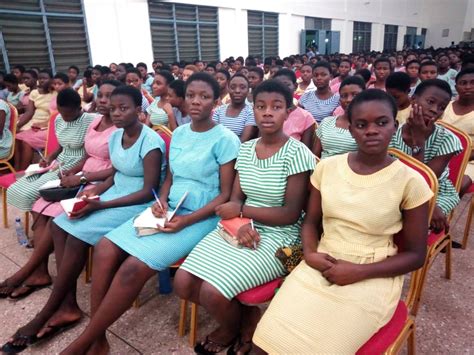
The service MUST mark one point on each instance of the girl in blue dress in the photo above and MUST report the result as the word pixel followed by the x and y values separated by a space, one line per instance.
pixel 202 157
pixel 136 153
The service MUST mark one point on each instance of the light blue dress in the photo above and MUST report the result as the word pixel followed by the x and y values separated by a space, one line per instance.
pixel 127 180
pixel 195 159
pixel 6 140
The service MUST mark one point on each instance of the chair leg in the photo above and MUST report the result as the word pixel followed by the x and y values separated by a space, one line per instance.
pixel 449 252
pixel 467 228
pixel 88 273
pixel 4 207
pixel 411 341
pixel 27 224
pixel 136 303
pixel 419 290
pixel 183 307
pixel 193 327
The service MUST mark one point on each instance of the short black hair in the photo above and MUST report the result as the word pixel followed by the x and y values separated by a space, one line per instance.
pixel 428 63
pixel 208 79
pixel 74 67
pixel 33 73
pixel 68 98
pixel 322 64
pixel 440 84
pixel 290 74
pixel 257 70
pixel 178 87
pixel 129 91
pixel 143 65
pixel 20 67
pixel 383 60
pixel 464 72
pixel 364 73
pixel 134 71
pixel 10 78
pixel 413 61
pixel 87 73
pixel 225 72
pixel 353 80
pixel 46 71
pixel 239 75
pixel 115 83
pixel 275 86
pixel 347 60
pixel 398 80
pixel 372 95
pixel 167 75
pixel 61 76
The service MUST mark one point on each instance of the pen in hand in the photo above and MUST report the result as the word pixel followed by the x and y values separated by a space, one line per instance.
pixel 253 228
pixel 157 200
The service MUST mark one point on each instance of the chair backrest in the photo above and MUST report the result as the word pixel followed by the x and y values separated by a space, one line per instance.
pixel 432 181
pixel 458 163
pixel 51 141
pixel 165 133
pixel 4 164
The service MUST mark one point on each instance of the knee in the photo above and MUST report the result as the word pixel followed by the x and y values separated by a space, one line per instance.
pixel 133 271
pixel 104 250
pixel 210 296
pixel 183 284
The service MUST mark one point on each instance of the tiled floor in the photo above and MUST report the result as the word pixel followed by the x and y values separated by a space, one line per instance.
pixel 445 322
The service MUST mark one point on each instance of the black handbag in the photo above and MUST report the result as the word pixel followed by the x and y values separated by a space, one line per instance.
pixel 57 194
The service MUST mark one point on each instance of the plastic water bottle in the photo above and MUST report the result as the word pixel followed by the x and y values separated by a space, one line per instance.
pixel 164 282
pixel 20 233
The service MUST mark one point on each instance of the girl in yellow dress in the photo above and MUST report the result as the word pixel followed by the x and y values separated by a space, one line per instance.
pixel 350 281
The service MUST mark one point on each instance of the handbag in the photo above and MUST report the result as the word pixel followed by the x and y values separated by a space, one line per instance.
pixel 57 194
pixel 290 256
pixel 228 228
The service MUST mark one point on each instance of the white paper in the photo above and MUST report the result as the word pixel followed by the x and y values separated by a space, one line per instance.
pixel 51 185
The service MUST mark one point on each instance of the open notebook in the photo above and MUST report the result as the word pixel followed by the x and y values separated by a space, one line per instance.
pixel 146 222
pixel 33 169
pixel 75 204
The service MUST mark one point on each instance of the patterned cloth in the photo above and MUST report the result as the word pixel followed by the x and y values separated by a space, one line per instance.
pixel 298 121
pixel 317 107
pixel 263 181
pixel 158 116
pixel 440 142
pixel 6 140
pixel 310 315
pixel 235 124
pixel 334 140
pixel 24 192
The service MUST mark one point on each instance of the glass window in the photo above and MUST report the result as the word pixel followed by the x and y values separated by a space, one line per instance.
pixel 362 36
pixel 390 38
pixel 262 33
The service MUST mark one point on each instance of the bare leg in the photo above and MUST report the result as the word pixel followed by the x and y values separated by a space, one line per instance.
pixel 26 156
pixel 35 271
pixel 17 154
pixel 125 286
pixel 187 286
pixel 465 184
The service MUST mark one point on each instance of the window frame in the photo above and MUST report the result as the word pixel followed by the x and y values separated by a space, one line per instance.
pixel 390 37
pixel 366 36
pixel 262 27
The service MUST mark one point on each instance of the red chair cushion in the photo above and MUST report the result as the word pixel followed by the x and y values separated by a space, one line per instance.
pixel 7 180
pixel 434 237
pixel 260 294
pixel 386 335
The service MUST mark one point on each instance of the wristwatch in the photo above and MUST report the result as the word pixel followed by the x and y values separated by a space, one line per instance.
pixel 83 180
pixel 416 149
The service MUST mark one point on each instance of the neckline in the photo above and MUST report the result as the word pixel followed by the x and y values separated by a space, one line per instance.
pixel 379 177
pixel 268 161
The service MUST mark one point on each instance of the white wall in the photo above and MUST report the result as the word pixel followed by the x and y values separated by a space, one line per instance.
pixel 233 35
pixel 119 31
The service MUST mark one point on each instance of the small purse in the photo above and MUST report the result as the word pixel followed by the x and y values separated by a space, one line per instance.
pixel 290 256
pixel 57 194
pixel 228 229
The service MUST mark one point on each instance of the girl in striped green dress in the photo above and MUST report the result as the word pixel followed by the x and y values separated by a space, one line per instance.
pixel 333 136
pixel 432 144
pixel 70 127
pixel 270 188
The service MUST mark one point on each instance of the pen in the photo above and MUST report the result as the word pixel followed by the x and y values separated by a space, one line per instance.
pixel 41 154
pixel 60 170
pixel 253 228
pixel 80 190
pixel 157 199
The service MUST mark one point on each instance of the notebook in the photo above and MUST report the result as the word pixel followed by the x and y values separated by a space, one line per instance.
pixel 146 223
pixel 33 169
pixel 75 204
pixel 52 184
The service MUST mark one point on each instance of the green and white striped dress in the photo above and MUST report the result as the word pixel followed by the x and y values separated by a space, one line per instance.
pixel 334 140
pixel 23 193
pixel 263 181
pixel 440 142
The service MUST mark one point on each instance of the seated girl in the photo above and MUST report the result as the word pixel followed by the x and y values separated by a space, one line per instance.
pixel 305 82
pixel 160 111
pixel 223 77
pixel 270 188
pixel 135 152
pixel 6 137
pixel 431 144
pixel 30 80
pixel 238 115
pixel 95 166
pixel 382 69
pixel 397 85
pixel 350 281
pixel 176 98
pixel 333 136
pixel 71 127
pixel 202 156
pixel 14 92
pixel 300 123
pixel 33 124
pixel 60 82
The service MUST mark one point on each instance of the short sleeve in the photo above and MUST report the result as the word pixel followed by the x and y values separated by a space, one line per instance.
pixel 150 141
pixel 249 116
pixel 149 109
pixel 416 192
pixel 320 129
pixel 34 95
pixel 308 120
pixel 227 147
pixel 317 174
pixel 450 144
pixel 145 104
pixel 300 160
pixel 216 114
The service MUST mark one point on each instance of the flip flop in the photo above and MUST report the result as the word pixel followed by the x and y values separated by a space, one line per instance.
pixel 10 348
pixel 57 329
pixel 9 290
pixel 200 348
pixel 240 343
pixel 29 290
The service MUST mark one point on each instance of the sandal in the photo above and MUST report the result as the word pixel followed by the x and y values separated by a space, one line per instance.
pixel 240 344
pixel 11 348
pixel 29 290
pixel 6 289
pixel 200 348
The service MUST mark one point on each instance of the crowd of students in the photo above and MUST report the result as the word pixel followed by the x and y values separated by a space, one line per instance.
pixel 245 140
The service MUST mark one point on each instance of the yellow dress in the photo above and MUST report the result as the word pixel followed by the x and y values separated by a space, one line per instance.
pixel 41 116
pixel 464 123
pixel 361 213
pixel 403 115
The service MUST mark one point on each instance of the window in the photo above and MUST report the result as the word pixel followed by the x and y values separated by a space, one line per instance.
pixel 362 36
pixel 390 38
pixel 316 23
pixel 183 32
pixel 411 31
pixel 262 33
pixel 43 33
